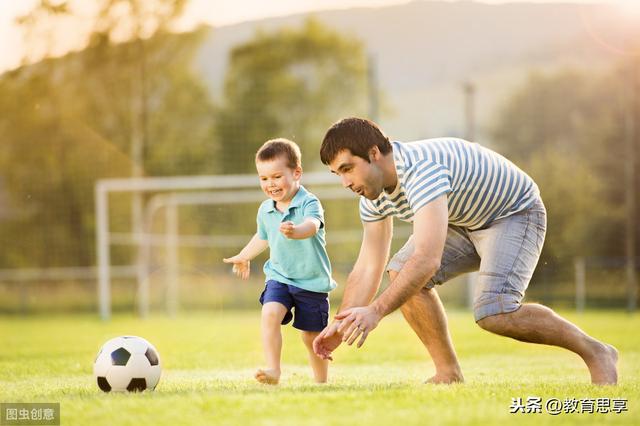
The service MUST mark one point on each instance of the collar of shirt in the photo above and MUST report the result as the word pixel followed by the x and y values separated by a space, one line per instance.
pixel 398 155
pixel 295 202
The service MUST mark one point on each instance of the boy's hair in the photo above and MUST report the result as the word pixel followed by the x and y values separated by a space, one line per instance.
pixel 280 147
pixel 358 135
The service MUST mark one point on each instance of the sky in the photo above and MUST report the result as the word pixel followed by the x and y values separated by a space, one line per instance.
pixel 211 12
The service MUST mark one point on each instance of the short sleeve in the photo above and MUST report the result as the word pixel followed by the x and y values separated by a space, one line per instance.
pixel 313 209
pixel 426 182
pixel 368 212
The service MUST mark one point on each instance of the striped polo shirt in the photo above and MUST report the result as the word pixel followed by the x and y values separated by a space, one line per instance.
pixel 481 185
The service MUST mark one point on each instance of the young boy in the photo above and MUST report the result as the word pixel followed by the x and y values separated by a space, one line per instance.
pixel 298 272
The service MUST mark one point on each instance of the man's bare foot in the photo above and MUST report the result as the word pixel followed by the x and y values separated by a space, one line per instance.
pixel 446 379
pixel 267 377
pixel 602 365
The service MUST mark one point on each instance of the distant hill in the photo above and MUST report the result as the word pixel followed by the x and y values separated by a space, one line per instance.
pixel 425 50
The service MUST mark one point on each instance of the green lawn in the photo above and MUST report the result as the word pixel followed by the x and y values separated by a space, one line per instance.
pixel 208 361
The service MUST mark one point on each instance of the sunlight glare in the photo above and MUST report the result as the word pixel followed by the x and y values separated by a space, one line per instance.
pixel 629 9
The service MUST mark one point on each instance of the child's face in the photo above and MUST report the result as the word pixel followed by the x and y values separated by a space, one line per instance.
pixel 277 180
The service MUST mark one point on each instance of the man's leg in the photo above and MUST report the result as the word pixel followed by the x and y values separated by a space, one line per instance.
pixel 424 311
pixel 509 251
pixel 538 324
pixel 425 314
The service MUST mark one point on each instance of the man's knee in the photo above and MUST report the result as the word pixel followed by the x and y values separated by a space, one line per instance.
pixel 499 323
pixel 407 308
pixel 494 299
pixel 415 305
pixel 488 323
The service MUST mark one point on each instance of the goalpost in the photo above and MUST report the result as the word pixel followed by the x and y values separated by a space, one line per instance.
pixel 169 193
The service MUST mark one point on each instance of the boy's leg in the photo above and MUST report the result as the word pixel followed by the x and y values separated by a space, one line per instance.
pixel 320 366
pixel 311 317
pixel 272 315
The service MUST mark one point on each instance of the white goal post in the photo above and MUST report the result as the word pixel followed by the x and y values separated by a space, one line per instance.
pixel 170 193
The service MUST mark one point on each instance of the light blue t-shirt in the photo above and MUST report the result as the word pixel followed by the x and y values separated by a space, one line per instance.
pixel 301 263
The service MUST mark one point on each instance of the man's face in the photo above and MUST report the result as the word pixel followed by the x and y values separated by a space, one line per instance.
pixel 357 174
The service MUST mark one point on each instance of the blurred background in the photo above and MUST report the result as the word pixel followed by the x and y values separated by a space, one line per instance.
pixel 128 130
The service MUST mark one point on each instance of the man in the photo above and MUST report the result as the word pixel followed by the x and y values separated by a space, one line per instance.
pixel 471 209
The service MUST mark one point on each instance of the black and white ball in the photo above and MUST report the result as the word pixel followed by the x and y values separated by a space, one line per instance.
pixel 127 363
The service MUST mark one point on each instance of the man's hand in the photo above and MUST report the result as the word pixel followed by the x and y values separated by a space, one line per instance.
pixel 288 229
pixel 240 266
pixel 327 341
pixel 356 322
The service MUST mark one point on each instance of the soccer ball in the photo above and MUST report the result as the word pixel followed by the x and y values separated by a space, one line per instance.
pixel 127 363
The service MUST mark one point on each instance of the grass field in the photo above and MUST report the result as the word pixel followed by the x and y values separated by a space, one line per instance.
pixel 208 361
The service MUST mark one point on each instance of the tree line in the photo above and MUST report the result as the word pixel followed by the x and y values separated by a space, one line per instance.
pixel 131 104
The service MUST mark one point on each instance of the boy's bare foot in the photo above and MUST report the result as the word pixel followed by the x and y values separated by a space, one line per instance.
pixel 267 377
pixel 602 365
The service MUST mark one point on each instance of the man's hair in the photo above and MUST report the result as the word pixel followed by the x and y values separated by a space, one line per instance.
pixel 358 135
pixel 280 147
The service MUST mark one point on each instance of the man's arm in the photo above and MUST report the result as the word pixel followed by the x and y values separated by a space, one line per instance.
pixel 429 236
pixel 363 281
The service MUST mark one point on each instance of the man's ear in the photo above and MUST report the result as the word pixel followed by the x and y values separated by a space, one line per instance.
pixel 374 154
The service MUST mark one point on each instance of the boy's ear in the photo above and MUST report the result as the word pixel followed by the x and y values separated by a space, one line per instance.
pixel 297 173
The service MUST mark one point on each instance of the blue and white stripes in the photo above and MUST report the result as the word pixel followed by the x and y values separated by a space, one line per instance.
pixel 481 185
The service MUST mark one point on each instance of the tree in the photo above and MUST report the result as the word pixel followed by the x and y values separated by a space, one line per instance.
pixel 66 122
pixel 291 83
pixel 566 131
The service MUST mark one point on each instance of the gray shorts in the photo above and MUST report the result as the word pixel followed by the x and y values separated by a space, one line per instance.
pixel 505 254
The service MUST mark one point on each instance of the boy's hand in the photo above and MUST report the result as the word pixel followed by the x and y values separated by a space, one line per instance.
pixel 240 266
pixel 288 229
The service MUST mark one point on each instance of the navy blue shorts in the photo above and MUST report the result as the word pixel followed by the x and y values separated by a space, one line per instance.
pixel 311 308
